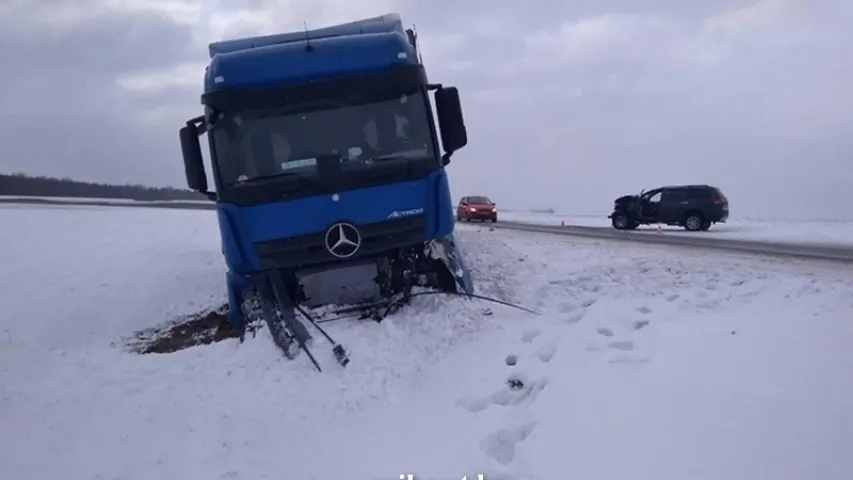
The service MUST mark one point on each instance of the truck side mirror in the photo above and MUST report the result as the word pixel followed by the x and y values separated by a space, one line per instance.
pixel 450 121
pixel 193 161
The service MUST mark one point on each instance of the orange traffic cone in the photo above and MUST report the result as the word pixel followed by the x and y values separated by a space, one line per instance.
pixel 660 229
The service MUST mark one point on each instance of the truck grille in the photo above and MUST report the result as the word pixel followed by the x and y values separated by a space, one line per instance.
pixel 309 250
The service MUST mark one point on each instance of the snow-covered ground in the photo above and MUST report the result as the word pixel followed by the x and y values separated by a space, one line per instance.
pixel 644 364
pixel 73 200
pixel 792 231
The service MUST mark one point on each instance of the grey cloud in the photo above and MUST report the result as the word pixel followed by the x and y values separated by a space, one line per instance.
pixel 112 44
pixel 57 66
pixel 63 112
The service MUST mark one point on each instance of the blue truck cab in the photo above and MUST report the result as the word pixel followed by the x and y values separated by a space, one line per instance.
pixel 325 155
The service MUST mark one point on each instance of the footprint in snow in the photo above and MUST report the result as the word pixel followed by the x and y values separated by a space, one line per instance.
pixel 622 345
pixel 641 324
pixel 604 331
pixel 546 352
pixel 566 307
pixel 518 390
pixel 530 335
pixel 644 309
pixel 630 357
pixel 574 317
pixel 588 302
pixel 501 444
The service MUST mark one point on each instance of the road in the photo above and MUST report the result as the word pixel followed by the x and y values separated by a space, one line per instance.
pixel 837 253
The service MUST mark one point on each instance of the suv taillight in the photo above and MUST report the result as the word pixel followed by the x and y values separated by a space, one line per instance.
pixel 720 201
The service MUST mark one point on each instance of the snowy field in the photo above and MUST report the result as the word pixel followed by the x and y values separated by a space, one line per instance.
pixel 96 201
pixel 645 364
pixel 791 231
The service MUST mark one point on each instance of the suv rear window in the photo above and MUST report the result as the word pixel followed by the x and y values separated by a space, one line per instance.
pixel 698 193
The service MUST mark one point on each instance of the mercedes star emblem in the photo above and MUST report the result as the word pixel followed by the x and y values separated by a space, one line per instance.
pixel 343 240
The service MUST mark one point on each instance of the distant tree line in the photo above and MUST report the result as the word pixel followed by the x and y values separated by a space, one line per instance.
pixel 20 184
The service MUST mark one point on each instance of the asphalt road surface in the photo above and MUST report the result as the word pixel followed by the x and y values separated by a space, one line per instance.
pixel 837 253
pixel 817 251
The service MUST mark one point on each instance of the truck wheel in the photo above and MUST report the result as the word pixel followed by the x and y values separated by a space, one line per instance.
pixel 620 221
pixel 705 225
pixel 693 222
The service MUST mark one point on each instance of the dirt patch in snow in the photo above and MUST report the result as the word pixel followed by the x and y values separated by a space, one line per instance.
pixel 202 328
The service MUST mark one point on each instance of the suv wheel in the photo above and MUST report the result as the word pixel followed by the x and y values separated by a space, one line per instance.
pixel 694 222
pixel 620 221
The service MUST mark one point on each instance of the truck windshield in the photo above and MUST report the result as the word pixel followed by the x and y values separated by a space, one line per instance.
pixel 344 135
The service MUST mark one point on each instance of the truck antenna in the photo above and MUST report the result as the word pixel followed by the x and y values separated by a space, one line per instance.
pixel 308 46
pixel 412 35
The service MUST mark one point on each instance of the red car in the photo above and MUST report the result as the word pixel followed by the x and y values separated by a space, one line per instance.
pixel 476 208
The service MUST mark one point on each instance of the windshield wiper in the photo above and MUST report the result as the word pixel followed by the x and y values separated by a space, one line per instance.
pixel 279 175
pixel 404 155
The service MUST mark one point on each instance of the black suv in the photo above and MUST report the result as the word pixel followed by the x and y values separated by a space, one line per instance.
pixel 694 207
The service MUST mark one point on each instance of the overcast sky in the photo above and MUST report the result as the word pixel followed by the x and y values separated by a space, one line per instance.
pixel 568 103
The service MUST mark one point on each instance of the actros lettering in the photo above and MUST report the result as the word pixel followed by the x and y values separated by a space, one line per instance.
pixel 405 213
pixel 410 476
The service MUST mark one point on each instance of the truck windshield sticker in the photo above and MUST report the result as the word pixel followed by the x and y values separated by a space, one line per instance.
pixel 354 152
pixel 302 162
